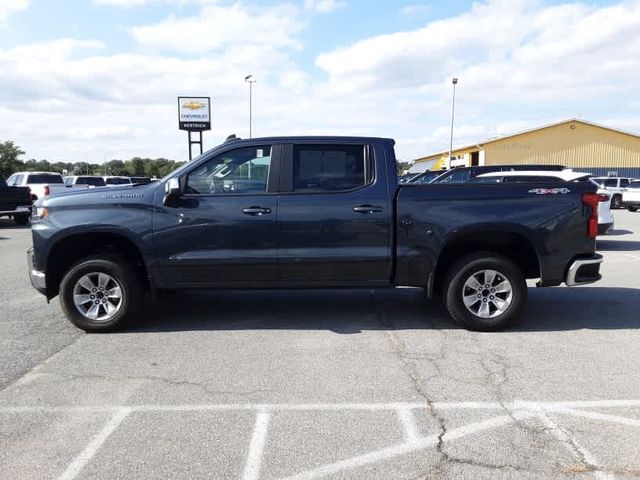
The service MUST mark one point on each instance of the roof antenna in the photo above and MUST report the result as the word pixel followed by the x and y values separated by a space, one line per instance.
pixel 231 137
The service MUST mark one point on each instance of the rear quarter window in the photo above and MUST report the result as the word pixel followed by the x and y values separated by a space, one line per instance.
pixel 43 178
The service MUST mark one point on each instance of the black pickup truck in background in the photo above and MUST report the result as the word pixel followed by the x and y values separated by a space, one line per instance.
pixel 15 202
pixel 311 212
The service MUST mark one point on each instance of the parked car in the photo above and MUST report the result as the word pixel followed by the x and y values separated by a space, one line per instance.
pixel 87 181
pixel 15 202
pixel 41 184
pixel 605 216
pixel 631 197
pixel 311 212
pixel 464 174
pixel 425 177
pixel 140 180
pixel 616 186
pixel 116 181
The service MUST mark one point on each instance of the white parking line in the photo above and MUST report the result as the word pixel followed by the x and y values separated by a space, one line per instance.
pixel 405 415
pixel 574 447
pixel 269 407
pixel 407 447
pixel 256 447
pixel 605 417
pixel 414 441
pixel 90 450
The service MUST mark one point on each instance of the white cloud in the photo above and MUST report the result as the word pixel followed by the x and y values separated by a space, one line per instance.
pixel 414 9
pixel 217 27
pixel 502 50
pixel 323 6
pixel 7 7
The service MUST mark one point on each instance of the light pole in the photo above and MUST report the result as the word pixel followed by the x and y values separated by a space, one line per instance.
pixel 454 81
pixel 250 80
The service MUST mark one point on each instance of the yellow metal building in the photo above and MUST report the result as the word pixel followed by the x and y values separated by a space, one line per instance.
pixel 575 143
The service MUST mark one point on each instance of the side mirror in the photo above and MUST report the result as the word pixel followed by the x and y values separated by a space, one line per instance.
pixel 171 193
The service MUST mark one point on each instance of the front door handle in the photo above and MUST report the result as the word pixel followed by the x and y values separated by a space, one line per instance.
pixel 256 211
pixel 367 209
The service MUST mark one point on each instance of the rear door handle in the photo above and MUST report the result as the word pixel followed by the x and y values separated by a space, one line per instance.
pixel 367 209
pixel 256 211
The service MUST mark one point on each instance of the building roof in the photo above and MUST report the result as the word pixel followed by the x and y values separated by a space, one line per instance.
pixel 523 132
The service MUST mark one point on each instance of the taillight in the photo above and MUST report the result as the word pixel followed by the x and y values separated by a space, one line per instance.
pixel 46 190
pixel 592 200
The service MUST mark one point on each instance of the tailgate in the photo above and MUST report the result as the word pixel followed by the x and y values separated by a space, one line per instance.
pixel 12 197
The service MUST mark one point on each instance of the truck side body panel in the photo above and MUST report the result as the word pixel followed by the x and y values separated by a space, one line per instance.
pixel 431 217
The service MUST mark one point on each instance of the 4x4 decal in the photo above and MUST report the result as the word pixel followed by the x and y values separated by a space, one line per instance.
pixel 549 191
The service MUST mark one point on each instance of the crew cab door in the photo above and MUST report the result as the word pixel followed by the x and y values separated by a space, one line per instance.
pixel 334 216
pixel 222 229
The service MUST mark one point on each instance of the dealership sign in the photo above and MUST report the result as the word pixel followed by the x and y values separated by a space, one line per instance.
pixel 194 113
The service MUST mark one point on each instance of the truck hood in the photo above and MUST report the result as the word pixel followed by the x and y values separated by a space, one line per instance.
pixel 101 195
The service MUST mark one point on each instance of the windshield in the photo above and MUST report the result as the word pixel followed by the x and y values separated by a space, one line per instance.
pixel 425 177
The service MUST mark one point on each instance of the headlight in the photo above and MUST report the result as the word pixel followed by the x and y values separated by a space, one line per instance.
pixel 39 213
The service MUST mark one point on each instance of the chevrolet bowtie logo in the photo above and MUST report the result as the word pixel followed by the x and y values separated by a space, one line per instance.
pixel 193 105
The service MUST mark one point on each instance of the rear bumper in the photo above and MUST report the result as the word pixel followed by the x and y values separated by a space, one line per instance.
pixel 584 270
pixel 38 278
pixel 604 228
pixel 20 210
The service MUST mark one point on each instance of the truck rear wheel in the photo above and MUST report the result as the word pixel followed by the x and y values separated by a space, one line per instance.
pixel 485 292
pixel 21 218
pixel 99 294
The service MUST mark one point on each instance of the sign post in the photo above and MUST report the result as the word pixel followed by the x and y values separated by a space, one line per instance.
pixel 194 115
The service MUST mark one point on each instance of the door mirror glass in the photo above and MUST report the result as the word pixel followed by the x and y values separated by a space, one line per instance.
pixel 172 192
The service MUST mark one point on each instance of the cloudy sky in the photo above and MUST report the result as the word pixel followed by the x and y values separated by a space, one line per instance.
pixel 96 79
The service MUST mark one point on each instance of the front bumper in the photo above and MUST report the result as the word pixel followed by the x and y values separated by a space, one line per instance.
pixel 38 278
pixel 584 270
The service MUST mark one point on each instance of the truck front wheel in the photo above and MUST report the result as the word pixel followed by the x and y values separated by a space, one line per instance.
pixel 485 292
pixel 98 294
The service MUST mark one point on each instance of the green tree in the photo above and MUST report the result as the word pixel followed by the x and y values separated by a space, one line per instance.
pixel 135 166
pixel 9 162
pixel 116 167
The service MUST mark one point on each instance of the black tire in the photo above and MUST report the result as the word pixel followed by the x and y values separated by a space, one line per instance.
pixel 132 292
pixel 21 219
pixel 616 202
pixel 632 209
pixel 471 265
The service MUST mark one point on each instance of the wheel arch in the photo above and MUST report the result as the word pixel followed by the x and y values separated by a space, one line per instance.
pixel 512 243
pixel 73 247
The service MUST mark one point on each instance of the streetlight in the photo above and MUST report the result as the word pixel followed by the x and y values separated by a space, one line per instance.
pixel 250 80
pixel 454 81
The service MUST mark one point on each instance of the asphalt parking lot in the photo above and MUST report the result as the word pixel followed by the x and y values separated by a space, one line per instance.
pixel 332 384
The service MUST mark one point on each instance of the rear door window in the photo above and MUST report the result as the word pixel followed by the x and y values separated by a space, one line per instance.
pixel 328 168
pixel 611 182
pixel 624 182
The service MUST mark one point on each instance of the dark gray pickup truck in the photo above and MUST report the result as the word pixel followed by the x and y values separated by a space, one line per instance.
pixel 311 212
pixel 15 202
